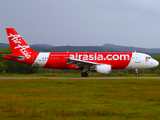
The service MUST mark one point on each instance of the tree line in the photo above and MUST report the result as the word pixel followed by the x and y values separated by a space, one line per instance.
pixel 7 66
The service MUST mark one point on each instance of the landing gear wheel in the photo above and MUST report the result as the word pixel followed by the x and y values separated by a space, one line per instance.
pixel 137 75
pixel 84 74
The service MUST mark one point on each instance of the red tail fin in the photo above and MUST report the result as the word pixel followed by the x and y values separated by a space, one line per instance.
pixel 18 45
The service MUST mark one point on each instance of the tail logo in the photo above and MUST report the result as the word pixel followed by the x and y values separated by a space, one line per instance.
pixel 16 39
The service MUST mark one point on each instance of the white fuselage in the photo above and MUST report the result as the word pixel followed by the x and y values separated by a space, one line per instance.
pixel 142 61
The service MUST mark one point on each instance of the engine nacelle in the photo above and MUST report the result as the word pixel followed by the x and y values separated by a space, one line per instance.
pixel 103 69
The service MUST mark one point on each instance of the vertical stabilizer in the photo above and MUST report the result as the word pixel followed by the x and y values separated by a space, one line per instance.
pixel 18 46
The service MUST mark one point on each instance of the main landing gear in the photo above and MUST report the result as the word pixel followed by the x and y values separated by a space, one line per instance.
pixel 137 75
pixel 84 74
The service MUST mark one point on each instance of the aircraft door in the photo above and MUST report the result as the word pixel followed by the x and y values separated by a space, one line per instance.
pixel 35 60
pixel 137 58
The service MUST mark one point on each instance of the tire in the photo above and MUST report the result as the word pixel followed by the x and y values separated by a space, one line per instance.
pixel 137 75
pixel 84 74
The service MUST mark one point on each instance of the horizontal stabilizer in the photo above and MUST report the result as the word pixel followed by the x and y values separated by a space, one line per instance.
pixel 14 56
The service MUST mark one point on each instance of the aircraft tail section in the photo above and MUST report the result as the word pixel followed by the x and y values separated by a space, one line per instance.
pixel 17 44
pixel 20 49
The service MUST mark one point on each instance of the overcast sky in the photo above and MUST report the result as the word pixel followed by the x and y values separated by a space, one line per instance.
pixel 83 22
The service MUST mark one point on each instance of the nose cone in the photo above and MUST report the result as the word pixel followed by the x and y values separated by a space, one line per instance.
pixel 155 63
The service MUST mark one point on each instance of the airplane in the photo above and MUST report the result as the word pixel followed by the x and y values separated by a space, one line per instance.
pixel 101 62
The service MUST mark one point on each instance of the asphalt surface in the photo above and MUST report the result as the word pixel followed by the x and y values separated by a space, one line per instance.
pixel 78 78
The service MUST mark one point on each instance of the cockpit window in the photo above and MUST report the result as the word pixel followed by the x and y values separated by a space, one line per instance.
pixel 148 57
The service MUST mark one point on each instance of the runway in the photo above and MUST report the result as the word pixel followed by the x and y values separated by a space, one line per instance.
pixel 79 78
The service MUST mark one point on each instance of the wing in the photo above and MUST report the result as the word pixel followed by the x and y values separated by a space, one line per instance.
pixel 81 63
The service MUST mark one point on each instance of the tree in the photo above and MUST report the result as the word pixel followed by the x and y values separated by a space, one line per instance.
pixel 14 67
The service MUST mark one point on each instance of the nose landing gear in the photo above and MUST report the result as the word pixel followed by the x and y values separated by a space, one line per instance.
pixel 137 75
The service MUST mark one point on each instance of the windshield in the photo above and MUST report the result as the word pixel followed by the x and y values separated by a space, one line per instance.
pixel 148 57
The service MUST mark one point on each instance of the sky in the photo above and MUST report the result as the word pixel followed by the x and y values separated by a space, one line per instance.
pixel 83 22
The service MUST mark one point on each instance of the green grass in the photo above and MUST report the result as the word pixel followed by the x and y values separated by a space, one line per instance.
pixel 80 99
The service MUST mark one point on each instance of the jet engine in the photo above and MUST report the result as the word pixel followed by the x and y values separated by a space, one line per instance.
pixel 103 69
